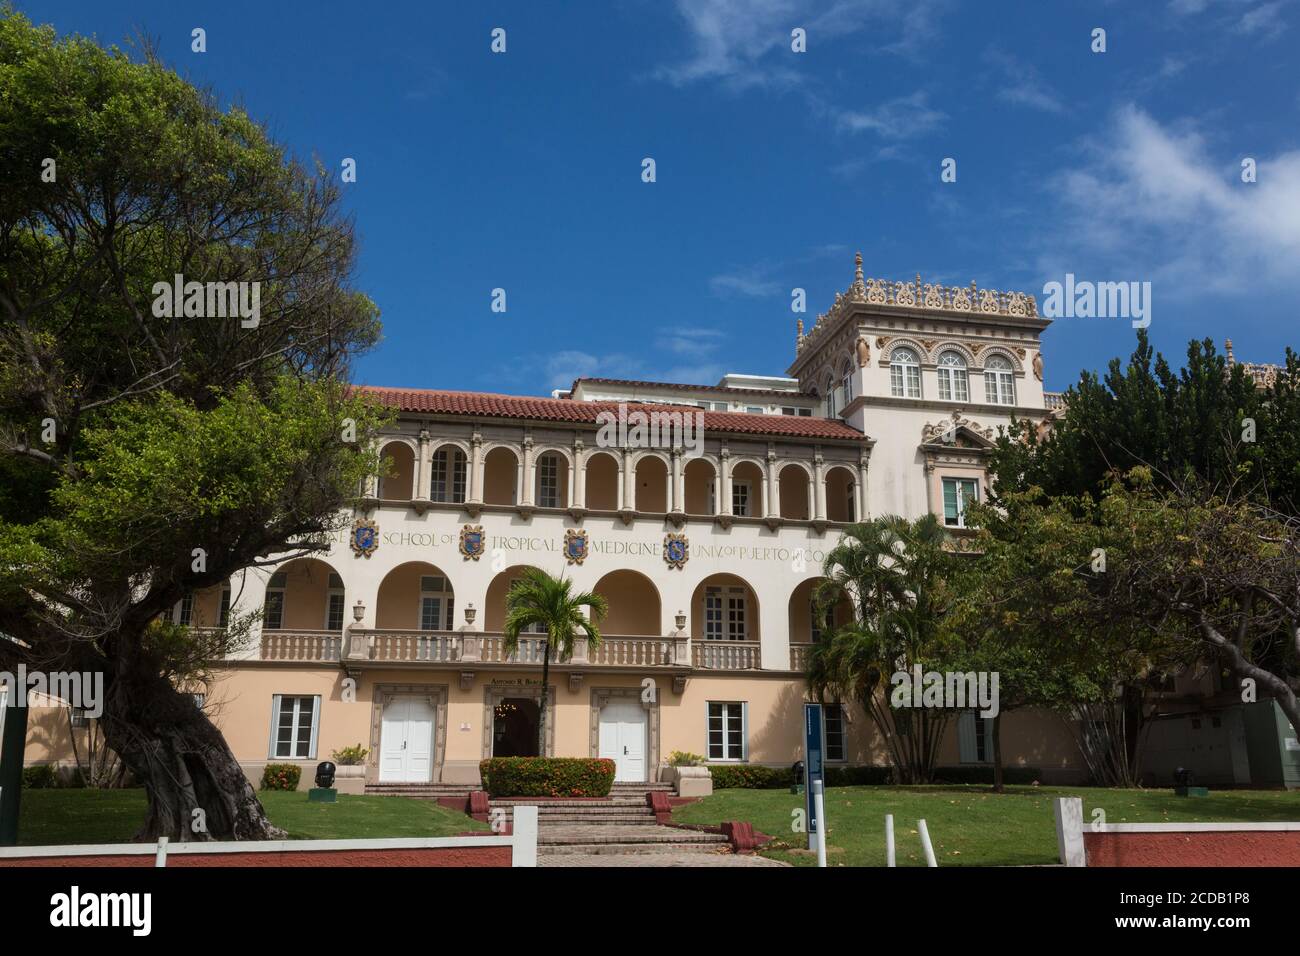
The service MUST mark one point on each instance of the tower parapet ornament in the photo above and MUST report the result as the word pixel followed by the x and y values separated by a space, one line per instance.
pixel 933 297
pixel 946 431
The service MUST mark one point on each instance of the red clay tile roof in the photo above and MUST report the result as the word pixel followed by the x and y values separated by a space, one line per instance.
pixel 735 389
pixel 488 405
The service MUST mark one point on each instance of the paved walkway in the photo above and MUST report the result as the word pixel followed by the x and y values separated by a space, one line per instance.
pixel 653 859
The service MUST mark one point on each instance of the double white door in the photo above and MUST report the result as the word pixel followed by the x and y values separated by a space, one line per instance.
pixel 623 738
pixel 406 742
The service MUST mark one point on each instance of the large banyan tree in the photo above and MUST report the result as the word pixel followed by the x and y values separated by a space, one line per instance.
pixel 152 444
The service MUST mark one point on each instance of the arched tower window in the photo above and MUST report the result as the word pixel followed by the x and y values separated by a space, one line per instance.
pixel 904 374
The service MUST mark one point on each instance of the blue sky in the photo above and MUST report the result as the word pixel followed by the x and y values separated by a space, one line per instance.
pixel 522 170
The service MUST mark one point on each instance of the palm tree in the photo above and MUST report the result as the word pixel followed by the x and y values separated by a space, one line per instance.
pixel 893 572
pixel 543 604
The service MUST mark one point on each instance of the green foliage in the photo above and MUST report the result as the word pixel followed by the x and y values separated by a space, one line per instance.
pixel 682 758
pixel 895 573
pixel 281 776
pixel 1146 414
pixel 756 777
pixel 536 599
pixel 43 776
pixel 350 756
pixel 547 776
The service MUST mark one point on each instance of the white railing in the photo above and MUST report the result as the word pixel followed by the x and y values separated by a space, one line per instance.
pixel 394 645
pixel 301 645
pixel 726 655
pixel 799 656
pixel 634 651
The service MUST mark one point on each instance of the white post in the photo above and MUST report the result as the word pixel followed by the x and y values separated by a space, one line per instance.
pixel 925 843
pixel 889 840
pixel 1069 830
pixel 160 860
pixel 819 807
pixel 524 848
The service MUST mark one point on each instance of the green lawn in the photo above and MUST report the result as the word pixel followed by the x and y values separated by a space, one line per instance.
pixel 968 825
pixel 113 816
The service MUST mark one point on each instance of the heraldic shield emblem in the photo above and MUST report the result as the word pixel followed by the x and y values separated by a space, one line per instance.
pixel 677 550
pixel 364 538
pixel 575 546
pixel 472 541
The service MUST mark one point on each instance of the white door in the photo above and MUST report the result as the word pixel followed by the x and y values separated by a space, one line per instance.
pixel 406 741
pixel 623 738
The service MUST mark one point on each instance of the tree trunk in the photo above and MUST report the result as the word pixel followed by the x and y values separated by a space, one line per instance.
pixel 195 787
pixel 541 714
pixel 999 785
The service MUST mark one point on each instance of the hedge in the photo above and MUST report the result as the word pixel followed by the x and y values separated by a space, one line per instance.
pixel 756 777
pixel 547 776
pixel 40 777
pixel 281 776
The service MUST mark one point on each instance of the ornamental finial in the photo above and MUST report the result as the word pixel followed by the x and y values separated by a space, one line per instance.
pixel 1228 343
pixel 857 271
pixel 798 334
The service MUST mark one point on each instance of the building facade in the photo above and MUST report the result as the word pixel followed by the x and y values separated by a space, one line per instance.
pixel 707 545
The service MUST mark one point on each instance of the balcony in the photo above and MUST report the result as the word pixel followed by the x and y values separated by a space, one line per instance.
pixel 726 655
pixel 799 656
pixel 368 647
pixel 301 645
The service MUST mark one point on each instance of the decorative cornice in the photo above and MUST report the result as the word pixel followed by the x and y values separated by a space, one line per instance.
pixel 931 297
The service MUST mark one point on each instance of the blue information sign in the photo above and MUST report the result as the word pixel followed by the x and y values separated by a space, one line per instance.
pixel 814 746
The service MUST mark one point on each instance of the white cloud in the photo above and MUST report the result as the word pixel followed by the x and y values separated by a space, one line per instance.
pixel 748 282
pixel 1023 85
pixel 899 118
pixel 1264 20
pixel 746 43
pixel 1151 199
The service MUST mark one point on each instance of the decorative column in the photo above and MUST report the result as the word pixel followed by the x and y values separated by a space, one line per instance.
pixel 578 476
pixel 423 476
pixel 819 482
pixel 771 501
pixel 627 501
pixel 724 482
pixel 862 488
pixel 371 481
pixel 678 503
pixel 527 476
pixel 474 493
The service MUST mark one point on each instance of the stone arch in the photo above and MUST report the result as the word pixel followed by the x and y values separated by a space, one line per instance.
pixel 651 478
pixel 604 472
pixel 415 596
pixel 396 470
pixel 500 475
pixel 635 606
pixel 841 493
pixel 705 621
pixel 494 612
pixel 794 481
pixel 300 595
pixel 700 477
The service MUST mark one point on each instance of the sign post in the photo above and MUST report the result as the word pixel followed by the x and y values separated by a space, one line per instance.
pixel 814 747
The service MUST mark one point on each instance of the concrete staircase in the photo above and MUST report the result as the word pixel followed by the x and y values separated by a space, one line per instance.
pixel 621 823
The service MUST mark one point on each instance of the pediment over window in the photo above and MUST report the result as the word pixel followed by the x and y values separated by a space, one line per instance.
pixel 957 431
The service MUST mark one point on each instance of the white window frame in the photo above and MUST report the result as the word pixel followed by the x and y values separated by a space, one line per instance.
pixel 445 599
pixel 714 614
pixel 447 475
pixel 970 738
pixel 548 480
pixel 737 614
pixel 954 377
pixel 183 610
pixel 277 701
pixel 725 717
pixel 273 589
pixel 843 732
pixel 960 498
pixel 999 381
pixel 904 373
pixel 742 496
pixel 335 591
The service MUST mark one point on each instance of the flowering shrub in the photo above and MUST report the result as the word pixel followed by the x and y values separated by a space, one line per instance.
pixel 683 758
pixel 547 776
pixel 350 756
pixel 281 776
